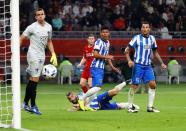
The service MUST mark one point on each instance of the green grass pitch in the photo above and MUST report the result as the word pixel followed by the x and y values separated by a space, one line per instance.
pixel 170 100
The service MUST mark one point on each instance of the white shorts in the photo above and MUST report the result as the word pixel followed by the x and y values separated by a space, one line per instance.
pixel 35 66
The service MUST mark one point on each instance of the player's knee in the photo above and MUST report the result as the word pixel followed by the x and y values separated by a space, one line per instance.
pixel 152 84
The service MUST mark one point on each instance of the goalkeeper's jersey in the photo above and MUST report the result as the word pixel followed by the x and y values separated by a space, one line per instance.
pixel 39 36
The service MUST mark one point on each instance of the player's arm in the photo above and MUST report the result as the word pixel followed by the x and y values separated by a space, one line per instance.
pixel 97 55
pixel 82 62
pixel 127 51
pixel 156 54
pixel 51 48
pixel 113 67
pixel 22 38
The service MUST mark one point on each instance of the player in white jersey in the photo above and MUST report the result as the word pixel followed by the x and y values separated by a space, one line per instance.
pixel 40 34
pixel 101 101
pixel 101 56
pixel 145 46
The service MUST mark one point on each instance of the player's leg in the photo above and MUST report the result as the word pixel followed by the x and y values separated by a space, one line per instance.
pixel 83 81
pixel 97 81
pixel 150 79
pixel 123 105
pixel 83 84
pixel 34 69
pixel 116 89
pixel 137 74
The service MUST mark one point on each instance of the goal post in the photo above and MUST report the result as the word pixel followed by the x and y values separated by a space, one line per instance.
pixel 10 96
pixel 15 43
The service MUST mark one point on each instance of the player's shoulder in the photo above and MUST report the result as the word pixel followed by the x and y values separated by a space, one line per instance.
pixel 47 24
pixel 152 37
pixel 98 41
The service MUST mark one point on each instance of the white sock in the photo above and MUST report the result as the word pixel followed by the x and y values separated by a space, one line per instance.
pixel 90 92
pixel 123 105
pixel 151 97
pixel 120 86
pixel 130 96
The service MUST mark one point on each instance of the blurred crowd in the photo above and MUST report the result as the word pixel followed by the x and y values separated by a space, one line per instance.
pixel 119 15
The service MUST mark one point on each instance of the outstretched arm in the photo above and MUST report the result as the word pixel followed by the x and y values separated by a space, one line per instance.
pixel 82 62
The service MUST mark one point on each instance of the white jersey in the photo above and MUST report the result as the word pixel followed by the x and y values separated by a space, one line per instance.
pixel 39 36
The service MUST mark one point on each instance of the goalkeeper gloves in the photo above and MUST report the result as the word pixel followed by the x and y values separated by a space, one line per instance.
pixel 53 59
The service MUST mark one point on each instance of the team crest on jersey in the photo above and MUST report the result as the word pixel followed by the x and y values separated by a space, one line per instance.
pixel 147 46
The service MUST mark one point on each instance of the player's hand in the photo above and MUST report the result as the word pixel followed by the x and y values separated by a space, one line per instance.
pixel 53 59
pixel 79 65
pixel 130 64
pixel 117 70
pixel 163 66
pixel 111 57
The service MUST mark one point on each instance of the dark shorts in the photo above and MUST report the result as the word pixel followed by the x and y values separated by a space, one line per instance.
pixel 104 101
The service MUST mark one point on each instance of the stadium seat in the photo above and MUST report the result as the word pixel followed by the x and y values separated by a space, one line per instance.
pixel 65 72
pixel 174 71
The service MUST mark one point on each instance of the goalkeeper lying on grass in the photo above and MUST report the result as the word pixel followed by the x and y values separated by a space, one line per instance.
pixel 99 102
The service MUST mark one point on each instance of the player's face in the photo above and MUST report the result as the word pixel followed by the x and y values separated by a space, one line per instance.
pixel 145 29
pixel 72 97
pixel 105 34
pixel 40 16
pixel 91 40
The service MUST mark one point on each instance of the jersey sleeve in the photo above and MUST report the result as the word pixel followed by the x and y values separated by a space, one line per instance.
pixel 133 42
pixel 50 33
pixel 97 45
pixel 28 31
pixel 154 45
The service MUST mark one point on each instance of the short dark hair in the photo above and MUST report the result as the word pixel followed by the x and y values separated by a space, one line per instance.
pixel 39 9
pixel 144 22
pixel 104 28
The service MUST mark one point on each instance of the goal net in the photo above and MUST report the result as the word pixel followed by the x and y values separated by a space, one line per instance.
pixel 8 96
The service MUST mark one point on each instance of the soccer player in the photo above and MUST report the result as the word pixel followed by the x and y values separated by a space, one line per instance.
pixel 144 45
pixel 100 102
pixel 87 60
pixel 40 34
pixel 101 55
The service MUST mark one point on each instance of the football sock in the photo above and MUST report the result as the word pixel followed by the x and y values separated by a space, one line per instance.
pixel 120 86
pixel 90 92
pixel 130 96
pixel 85 89
pixel 27 92
pixel 123 105
pixel 33 92
pixel 151 97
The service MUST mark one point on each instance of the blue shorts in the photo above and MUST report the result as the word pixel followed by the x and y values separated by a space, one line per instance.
pixel 142 73
pixel 97 76
pixel 104 101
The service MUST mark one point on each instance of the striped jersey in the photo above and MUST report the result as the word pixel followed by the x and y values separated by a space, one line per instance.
pixel 103 48
pixel 143 48
pixel 94 104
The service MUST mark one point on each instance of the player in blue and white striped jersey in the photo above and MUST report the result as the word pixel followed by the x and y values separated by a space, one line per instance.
pixel 101 56
pixel 101 101
pixel 145 46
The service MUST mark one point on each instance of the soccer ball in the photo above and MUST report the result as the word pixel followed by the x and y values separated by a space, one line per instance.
pixel 49 71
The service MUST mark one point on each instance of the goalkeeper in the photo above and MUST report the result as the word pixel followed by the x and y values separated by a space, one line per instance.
pixel 40 34
pixel 99 102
